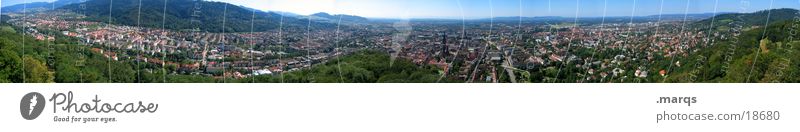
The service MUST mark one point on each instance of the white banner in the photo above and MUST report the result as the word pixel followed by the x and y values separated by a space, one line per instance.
pixel 401 107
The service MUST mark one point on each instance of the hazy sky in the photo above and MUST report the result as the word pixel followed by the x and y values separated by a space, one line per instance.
pixel 489 8
pixel 5 3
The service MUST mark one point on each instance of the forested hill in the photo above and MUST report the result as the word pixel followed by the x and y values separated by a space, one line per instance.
pixel 179 15
pixel 757 57
pixel 758 18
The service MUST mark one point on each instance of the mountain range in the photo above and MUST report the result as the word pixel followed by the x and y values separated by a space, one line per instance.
pixel 337 17
pixel 182 15
pixel 750 19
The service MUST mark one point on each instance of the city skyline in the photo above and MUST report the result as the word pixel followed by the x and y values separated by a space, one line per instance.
pixel 476 9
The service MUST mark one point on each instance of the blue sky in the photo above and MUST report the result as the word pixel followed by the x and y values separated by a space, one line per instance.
pixel 488 8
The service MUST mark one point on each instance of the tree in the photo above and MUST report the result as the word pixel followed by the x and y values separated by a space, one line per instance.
pixel 121 73
pixel 9 66
pixel 36 71
pixel 776 71
pixel 7 29
pixel 764 45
